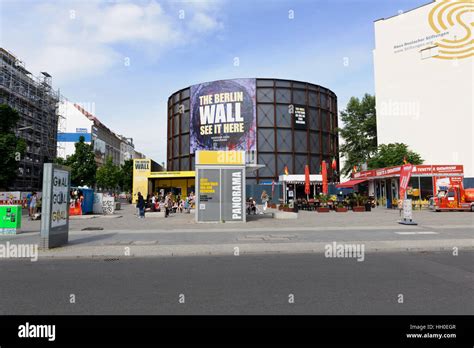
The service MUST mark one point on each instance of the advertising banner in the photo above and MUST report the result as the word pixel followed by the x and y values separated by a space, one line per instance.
pixel 223 115
pixel 55 205
pixel 300 117
pixel 233 208
pixel 405 175
pixel 141 172
pixel 208 195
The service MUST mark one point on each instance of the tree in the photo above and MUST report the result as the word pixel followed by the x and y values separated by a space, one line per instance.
pixel 12 148
pixel 108 176
pixel 82 163
pixel 359 132
pixel 393 155
pixel 126 175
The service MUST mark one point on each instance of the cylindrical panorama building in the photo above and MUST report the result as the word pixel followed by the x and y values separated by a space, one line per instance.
pixel 280 123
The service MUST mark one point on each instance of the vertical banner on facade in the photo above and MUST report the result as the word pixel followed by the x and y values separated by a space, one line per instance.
pixel 55 206
pixel 405 175
pixel 223 116
pixel 233 208
pixel 141 172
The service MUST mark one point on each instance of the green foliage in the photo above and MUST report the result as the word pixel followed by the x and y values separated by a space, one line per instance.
pixel 12 148
pixel 126 176
pixel 82 163
pixel 392 155
pixel 359 132
pixel 108 176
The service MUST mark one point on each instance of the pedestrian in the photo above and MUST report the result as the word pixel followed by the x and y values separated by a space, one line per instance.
pixel 153 202
pixel 168 202
pixel 33 201
pixel 264 198
pixel 141 206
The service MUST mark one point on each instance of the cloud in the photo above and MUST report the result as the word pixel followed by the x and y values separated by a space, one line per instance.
pixel 77 39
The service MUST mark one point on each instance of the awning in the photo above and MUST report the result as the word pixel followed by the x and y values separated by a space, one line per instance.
pixel 350 183
pixel 300 179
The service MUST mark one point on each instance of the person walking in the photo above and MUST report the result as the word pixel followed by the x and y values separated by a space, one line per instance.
pixel 264 198
pixel 168 204
pixel 32 207
pixel 141 206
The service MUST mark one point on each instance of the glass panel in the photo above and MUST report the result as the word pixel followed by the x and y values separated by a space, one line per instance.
pixel 325 144
pixel 282 161
pixel 300 162
pixel 301 141
pixel 314 145
pixel 282 83
pixel 283 95
pixel 314 166
pixel 184 163
pixel 313 116
pixel 325 119
pixel 176 98
pixel 175 146
pixel 185 93
pixel 265 115
pixel 264 83
pixel 266 139
pixel 176 124
pixel 185 122
pixel 283 116
pixel 323 100
pixel 299 97
pixel 269 161
pixel 284 140
pixel 265 95
pixel 312 99
pixel 176 164
pixel 185 103
pixel 185 144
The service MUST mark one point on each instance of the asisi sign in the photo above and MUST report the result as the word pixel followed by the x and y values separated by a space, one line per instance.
pixel 453 19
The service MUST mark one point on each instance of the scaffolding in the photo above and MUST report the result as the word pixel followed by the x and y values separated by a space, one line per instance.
pixel 36 102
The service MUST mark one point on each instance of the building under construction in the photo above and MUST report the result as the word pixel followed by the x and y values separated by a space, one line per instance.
pixel 36 102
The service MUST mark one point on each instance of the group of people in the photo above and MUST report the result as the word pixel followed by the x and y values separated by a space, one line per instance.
pixel 252 204
pixel 164 203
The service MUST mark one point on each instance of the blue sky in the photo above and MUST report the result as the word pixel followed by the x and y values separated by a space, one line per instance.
pixel 122 59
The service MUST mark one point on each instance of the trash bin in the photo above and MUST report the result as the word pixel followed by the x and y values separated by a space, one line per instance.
pixel 368 206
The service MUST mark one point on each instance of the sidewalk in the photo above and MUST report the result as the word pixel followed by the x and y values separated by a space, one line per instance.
pixel 124 235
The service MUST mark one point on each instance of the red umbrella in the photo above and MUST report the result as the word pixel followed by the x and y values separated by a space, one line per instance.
pixel 307 188
pixel 324 172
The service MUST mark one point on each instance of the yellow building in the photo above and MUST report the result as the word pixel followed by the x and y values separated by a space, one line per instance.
pixel 147 182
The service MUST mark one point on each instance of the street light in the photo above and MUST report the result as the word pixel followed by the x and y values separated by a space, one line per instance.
pixel 25 128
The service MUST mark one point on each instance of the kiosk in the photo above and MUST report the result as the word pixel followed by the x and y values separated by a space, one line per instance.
pixel 220 186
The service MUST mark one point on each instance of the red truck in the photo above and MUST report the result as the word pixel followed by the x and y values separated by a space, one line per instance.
pixel 454 198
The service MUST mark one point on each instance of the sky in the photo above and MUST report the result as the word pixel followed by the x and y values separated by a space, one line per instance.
pixel 121 60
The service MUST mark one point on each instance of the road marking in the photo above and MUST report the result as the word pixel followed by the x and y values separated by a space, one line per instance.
pixel 422 232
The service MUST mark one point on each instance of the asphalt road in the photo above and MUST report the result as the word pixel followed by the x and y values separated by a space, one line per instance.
pixel 430 282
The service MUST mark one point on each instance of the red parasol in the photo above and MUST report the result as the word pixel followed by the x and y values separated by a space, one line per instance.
pixel 325 178
pixel 307 188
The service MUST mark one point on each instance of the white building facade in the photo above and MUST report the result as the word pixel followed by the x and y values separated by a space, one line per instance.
pixel 75 122
pixel 424 61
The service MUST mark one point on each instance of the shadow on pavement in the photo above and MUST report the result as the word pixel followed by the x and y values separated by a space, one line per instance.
pixel 90 239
